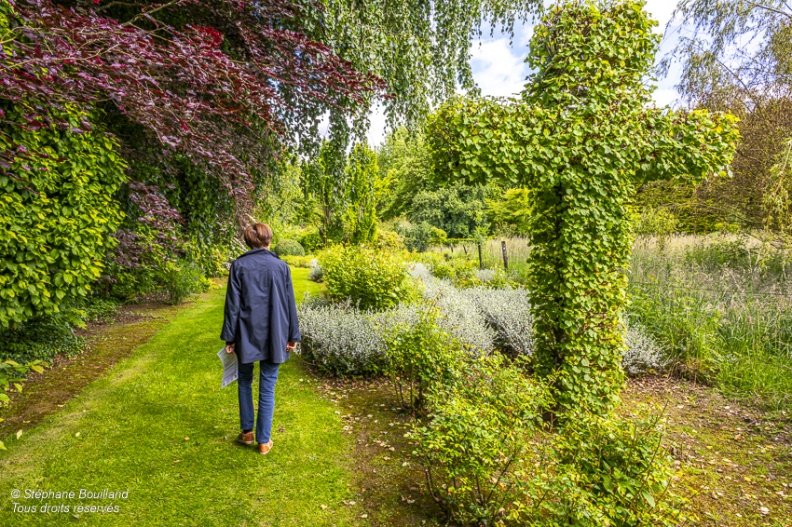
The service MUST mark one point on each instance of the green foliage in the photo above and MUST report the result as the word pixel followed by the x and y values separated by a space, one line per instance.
pixel 477 445
pixel 298 261
pixel 346 191
pixel 371 279
pixel 459 210
pixel 421 356
pixel 420 237
pixel 720 310
pixel 55 214
pixel 31 345
pixel 181 279
pixel 390 240
pixel 604 471
pixel 288 248
pixel 42 339
pixel 310 239
pixel 422 51
pixel 580 138
pixel 404 159
pixel 654 221
pixel 360 216
pixel 511 212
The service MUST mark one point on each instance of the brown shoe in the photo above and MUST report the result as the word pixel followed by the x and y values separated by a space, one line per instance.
pixel 265 447
pixel 245 439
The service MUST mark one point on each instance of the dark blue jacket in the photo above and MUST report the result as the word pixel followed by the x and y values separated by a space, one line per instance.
pixel 260 311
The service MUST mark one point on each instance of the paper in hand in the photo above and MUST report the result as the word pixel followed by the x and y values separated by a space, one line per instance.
pixel 230 368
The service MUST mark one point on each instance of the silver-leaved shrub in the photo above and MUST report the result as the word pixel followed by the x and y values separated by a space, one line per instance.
pixel 508 312
pixel 643 353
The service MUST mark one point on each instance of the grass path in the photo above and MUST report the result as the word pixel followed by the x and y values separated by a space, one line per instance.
pixel 159 426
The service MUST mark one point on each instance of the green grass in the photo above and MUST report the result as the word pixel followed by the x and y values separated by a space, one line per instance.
pixel 159 426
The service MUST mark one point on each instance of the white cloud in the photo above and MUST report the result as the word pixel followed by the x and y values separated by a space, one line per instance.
pixel 498 68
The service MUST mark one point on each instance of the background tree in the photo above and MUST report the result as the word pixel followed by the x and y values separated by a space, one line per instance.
pixel 580 138
pixel 739 59
pixel 360 217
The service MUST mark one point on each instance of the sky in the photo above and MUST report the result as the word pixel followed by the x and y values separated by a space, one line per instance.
pixel 499 70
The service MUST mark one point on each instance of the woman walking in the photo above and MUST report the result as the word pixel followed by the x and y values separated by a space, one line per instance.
pixel 260 325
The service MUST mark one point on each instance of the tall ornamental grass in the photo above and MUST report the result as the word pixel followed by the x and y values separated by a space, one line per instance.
pixel 721 308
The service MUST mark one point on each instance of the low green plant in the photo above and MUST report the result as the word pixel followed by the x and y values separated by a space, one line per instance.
pixel 288 248
pixel 476 444
pixel 421 236
pixel 420 355
pixel 298 261
pixel 604 470
pixel 371 279
pixel 310 239
pixel 181 279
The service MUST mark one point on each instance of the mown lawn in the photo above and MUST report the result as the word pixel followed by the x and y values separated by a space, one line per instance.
pixel 159 426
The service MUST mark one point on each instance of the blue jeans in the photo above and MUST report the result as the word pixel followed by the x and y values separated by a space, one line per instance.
pixel 268 376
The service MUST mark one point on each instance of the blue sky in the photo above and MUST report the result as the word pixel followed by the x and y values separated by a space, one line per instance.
pixel 498 67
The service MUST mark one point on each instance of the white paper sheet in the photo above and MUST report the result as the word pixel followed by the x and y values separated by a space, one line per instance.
pixel 230 368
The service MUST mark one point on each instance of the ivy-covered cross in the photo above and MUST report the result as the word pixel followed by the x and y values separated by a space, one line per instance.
pixel 581 137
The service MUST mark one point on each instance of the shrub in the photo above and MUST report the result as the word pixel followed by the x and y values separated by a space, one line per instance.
pixel 604 471
pixel 181 279
pixel 643 354
pixel 310 239
pixel 420 355
pixel 289 248
pixel 342 340
pixel 419 237
pixel 390 240
pixel 459 314
pixel 655 221
pixel 508 312
pixel 316 273
pixel 476 439
pixel 372 279
pixel 298 261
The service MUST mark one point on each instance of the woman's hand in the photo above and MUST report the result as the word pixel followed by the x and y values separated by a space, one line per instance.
pixel 290 346
pixel 229 348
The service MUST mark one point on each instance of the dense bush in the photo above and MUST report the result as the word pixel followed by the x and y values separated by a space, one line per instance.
pixel 643 354
pixel 340 340
pixel 508 312
pixel 371 279
pixel 603 471
pixel 31 345
pixel 390 240
pixel 56 215
pixel 460 316
pixel 298 261
pixel 181 279
pixel 476 444
pixel 421 236
pixel 316 273
pixel 310 239
pixel 288 248
pixel 420 355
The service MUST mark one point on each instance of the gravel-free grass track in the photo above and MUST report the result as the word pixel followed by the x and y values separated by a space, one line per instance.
pixel 159 426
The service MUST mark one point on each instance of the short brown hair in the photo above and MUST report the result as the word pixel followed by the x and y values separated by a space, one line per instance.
pixel 258 235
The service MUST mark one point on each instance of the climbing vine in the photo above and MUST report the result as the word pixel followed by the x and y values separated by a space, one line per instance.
pixel 581 136
pixel 55 214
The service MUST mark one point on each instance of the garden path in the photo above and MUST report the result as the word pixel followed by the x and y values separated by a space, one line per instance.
pixel 158 426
